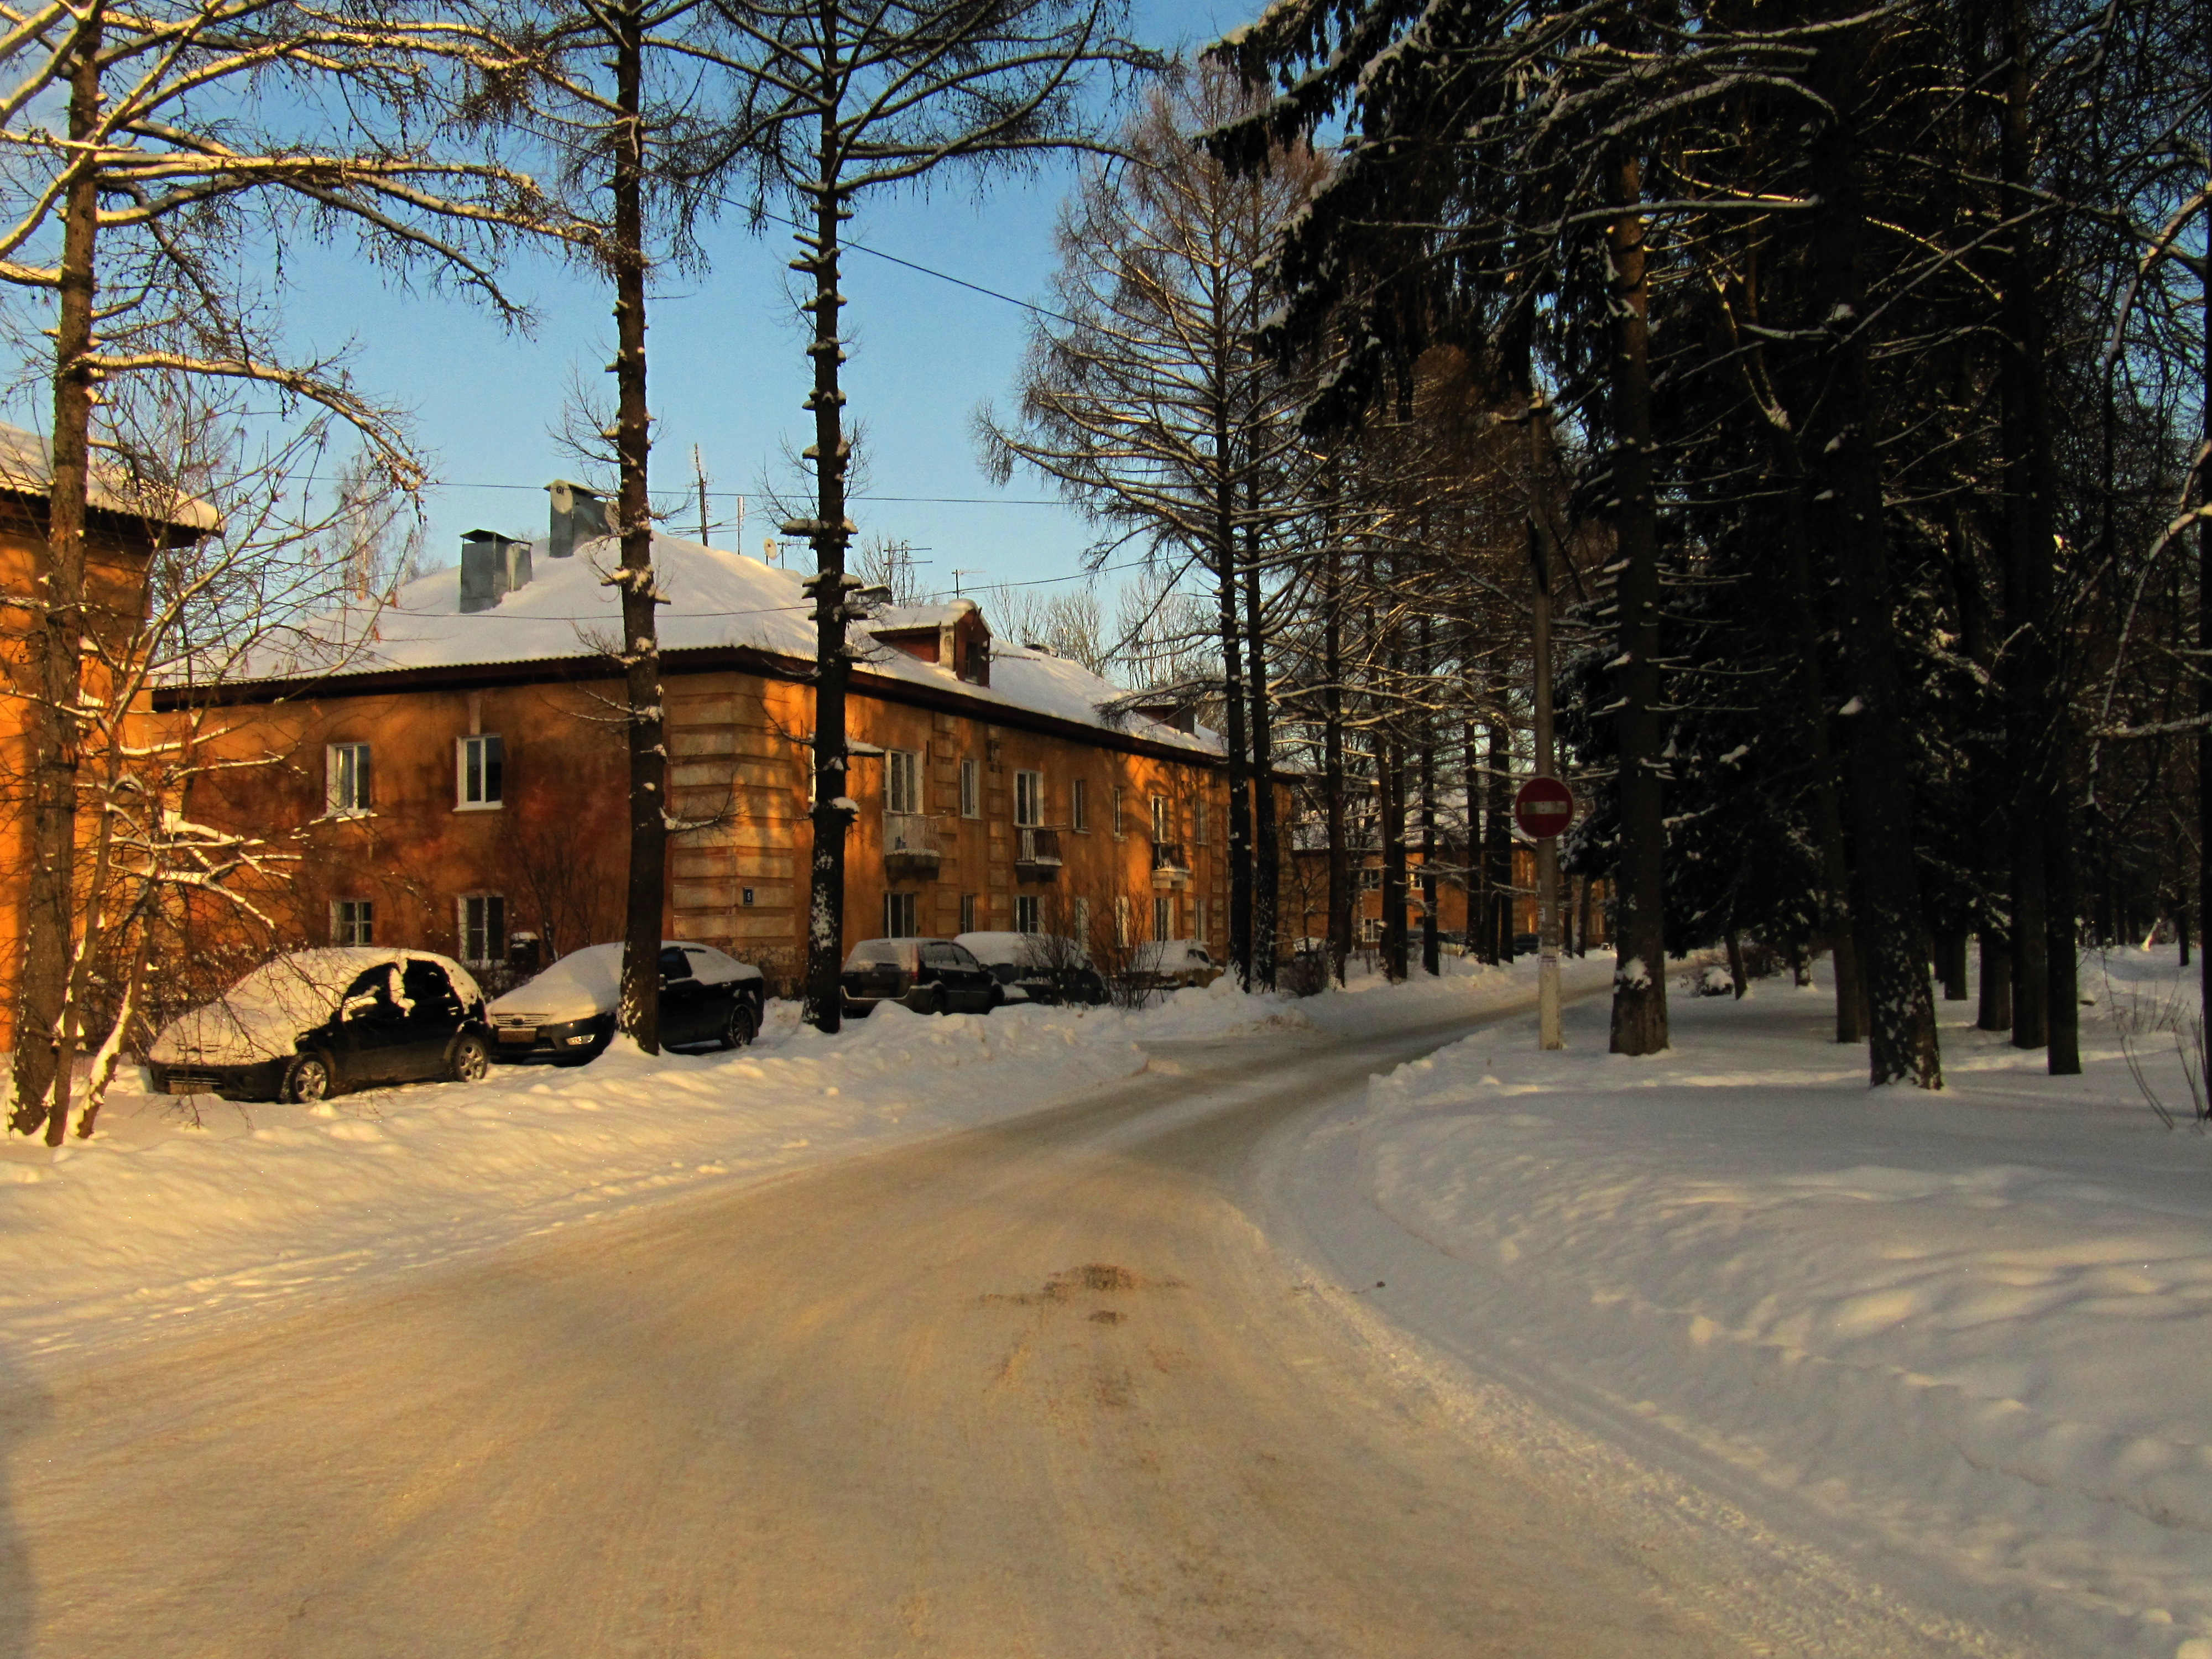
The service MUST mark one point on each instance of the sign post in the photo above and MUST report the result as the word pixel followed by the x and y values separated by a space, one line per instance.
pixel 1545 806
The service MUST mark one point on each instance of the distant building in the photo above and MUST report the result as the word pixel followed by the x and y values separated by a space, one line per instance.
pixel 451 767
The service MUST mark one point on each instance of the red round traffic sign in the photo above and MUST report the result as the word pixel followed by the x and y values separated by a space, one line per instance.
pixel 1544 808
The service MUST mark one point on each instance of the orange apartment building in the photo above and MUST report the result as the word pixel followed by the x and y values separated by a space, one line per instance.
pixel 127 521
pixel 449 768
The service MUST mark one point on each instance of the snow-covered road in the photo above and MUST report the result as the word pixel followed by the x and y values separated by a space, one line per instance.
pixel 1040 1388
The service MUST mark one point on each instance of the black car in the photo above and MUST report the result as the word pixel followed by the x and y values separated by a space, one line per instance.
pixel 929 975
pixel 567 1012
pixel 1041 967
pixel 313 1023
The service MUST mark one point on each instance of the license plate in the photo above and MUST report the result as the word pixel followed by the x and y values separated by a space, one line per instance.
pixel 191 1085
pixel 518 1034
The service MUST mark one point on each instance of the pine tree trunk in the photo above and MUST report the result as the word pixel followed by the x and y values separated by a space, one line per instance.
pixel 1498 918
pixel 1233 736
pixel 2028 662
pixel 831 532
pixel 649 755
pixel 1390 788
pixel 1639 981
pixel 1267 847
pixel 1431 946
pixel 1850 517
pixel 1339 859
pixel 42 1083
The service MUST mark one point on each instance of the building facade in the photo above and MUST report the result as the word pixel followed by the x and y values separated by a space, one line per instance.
pixel 451 772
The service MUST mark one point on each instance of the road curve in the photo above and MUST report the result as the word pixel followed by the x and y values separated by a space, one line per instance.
pixel 1038 1389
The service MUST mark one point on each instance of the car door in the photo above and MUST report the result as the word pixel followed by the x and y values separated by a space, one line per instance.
pixel 434 1015
pixel 683 999
pixel 718 990
pixel 967 981
pixel 371 1030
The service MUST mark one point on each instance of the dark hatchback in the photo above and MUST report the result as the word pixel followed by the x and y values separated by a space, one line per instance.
pixel 315 1023
pixel 567 1013
pixel 929 975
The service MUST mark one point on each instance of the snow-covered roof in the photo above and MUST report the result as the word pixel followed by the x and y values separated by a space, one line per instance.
pixel 27 468
pixel 909 618
pixel 716 598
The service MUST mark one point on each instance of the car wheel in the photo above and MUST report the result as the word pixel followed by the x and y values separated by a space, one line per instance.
pixel 309 1080
pixel 739 1028
pixel 471 1060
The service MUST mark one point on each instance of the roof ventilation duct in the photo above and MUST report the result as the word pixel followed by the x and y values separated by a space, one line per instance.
pixel 578 515
pixel 492 567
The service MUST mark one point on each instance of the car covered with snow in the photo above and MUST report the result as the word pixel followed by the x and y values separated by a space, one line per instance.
pixel 1047 968
pixel 567 1012
pixel 1172 963
pixel 929 975
pixel 313 1023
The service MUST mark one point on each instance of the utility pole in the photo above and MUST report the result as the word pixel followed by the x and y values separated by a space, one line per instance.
pixel 1547 847
pixel 699 471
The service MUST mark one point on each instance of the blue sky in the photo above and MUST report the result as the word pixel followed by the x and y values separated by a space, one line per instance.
pixel 726 372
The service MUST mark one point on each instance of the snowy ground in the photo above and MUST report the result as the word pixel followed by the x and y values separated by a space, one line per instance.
pixel 176 1212
pixel 1967 1333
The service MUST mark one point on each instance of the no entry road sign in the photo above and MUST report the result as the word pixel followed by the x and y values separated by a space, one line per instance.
pixel 1544 808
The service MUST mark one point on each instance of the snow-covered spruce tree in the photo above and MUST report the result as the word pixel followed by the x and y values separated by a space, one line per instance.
pixel 1151 408
pixel 843 99
pixel 196 143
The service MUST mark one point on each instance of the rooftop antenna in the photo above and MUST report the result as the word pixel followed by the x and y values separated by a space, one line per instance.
pixel 957 575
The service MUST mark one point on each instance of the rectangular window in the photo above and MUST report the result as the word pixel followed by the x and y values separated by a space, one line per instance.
pixel 1371 880
pixel 1025 914
pixel 1164 918
pixel 1028 798
pixel 353 921
pixel 1079 804
pixel 347 775
pixel 480 774
pixel 1371 928
pixel 1117 811
pixel 1161 821
pixel 1121 921
pixel 967 913
pixel 1083 922
pixel 484 929
pixel 899 916
pixel 971 797
pixel 902 780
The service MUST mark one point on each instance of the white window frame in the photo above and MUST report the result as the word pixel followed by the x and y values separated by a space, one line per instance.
pixel 1118 832
pixel 911 903
pixel 487 957
pixel 349 780
pixel 1162 822
pixel 1028 917
pixel 1162 917
pixel 967 913
pixel 971 793
pixel 353 921
pixel 479 742
pixel 1078 806
pixel 902 780
pixel 1031 785
pixel 1121 921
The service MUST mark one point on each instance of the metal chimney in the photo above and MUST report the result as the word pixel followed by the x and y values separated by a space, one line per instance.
pixel 492 567
pixel 578 515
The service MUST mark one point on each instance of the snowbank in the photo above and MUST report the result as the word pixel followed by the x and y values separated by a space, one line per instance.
pixel 1971 1327
pixel 179 1211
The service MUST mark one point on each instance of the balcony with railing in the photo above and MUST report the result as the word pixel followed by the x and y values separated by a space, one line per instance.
pixel 910 848
pixel 1170 863
pixel 1036 853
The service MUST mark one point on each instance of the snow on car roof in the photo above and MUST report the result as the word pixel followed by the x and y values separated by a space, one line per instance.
pixel 715 598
